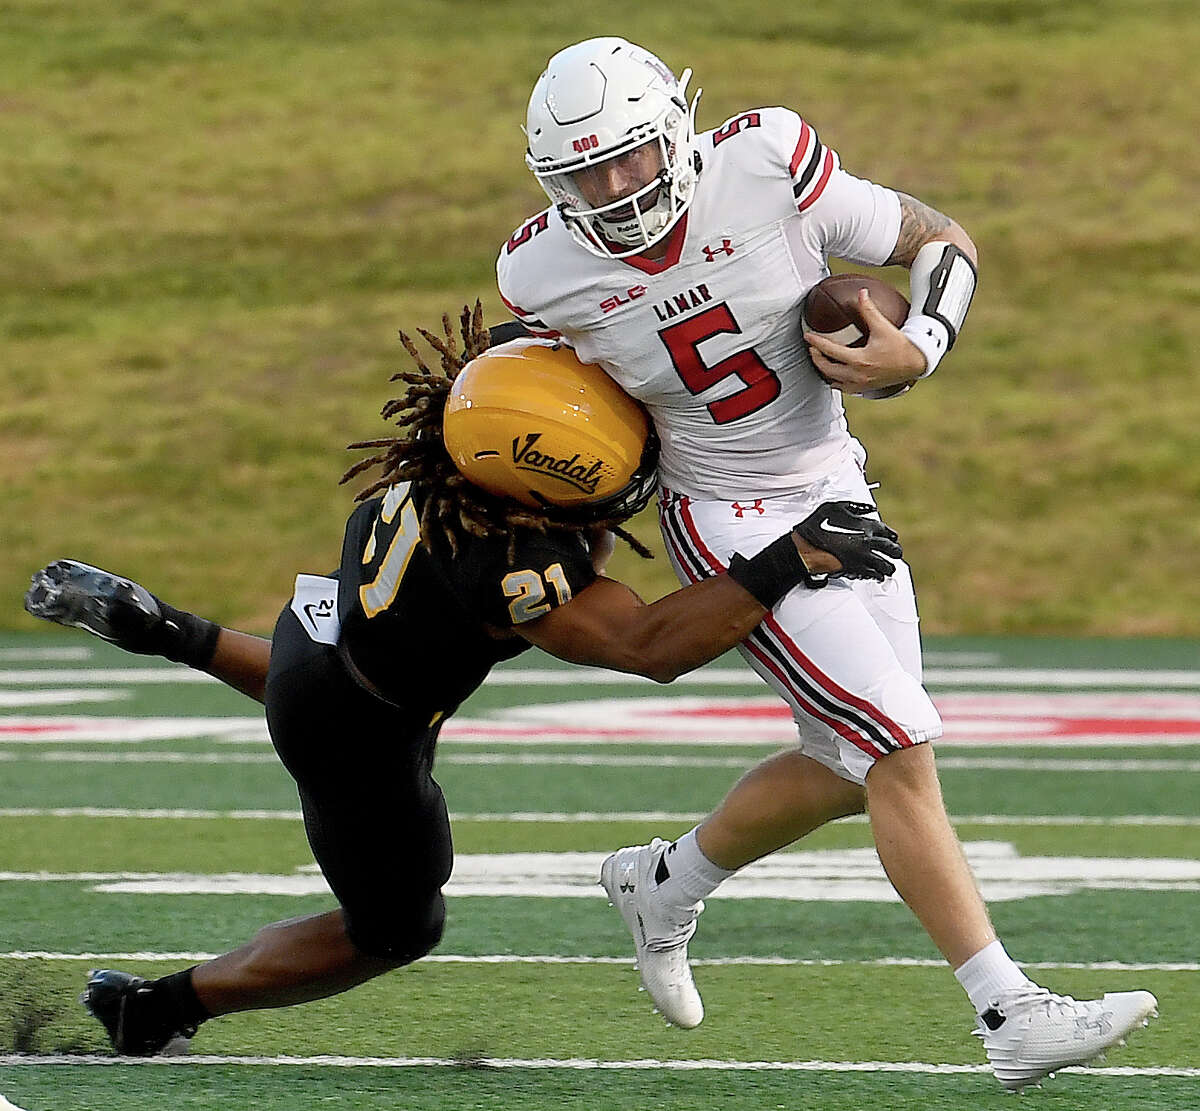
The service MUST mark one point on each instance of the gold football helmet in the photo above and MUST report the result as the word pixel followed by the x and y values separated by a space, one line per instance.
pixel 527 420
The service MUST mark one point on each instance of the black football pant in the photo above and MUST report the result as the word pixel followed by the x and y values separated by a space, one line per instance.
pixel 375 817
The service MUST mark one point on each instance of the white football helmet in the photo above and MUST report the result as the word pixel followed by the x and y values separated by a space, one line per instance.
pixel 598 101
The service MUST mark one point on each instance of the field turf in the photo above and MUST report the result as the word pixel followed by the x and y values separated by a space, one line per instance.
pixel 137 799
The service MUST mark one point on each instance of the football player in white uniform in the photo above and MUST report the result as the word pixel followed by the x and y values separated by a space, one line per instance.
pixel 679 262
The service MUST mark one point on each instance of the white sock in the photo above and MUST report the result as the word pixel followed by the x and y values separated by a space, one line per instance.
pixel 691 875
pixel 989 972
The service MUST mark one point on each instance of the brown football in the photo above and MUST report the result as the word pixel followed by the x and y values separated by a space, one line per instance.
pixel 831 309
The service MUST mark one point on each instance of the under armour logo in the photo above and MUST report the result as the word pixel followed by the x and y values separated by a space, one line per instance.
pixel 726 247
pixel 1100 1024
pixel 626 886
pixel 740 510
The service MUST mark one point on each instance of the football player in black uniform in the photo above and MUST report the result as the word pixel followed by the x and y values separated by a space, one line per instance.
pixel 486 531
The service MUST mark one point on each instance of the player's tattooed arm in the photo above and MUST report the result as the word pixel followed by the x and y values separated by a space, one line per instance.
pixel 919 224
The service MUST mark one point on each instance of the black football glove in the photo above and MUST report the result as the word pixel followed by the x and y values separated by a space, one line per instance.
pixel 851 531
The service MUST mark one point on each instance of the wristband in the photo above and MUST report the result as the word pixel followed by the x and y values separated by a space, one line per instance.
pixel 769 575
pixel 181 992
pixel 930 337
pixel 186 638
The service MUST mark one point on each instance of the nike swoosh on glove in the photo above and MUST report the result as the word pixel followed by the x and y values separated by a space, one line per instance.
pixel 853 533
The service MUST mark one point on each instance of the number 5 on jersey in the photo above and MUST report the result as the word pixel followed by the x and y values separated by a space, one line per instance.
pixel 683 341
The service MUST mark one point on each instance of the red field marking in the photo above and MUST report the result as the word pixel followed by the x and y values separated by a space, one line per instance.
pixel 970 719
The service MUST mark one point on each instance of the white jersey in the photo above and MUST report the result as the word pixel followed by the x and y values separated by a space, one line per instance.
pixel 709 338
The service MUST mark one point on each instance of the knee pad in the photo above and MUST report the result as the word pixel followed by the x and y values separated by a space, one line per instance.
pixel 400 934
pixel 908 704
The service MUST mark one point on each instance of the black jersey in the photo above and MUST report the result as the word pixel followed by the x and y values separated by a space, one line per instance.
pixel 424 627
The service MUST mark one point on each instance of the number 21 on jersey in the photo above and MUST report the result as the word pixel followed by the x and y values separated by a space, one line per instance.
pixel 527 589
pixel 397 509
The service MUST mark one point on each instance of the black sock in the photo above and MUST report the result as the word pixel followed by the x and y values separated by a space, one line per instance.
pixel 179 998
pixel 186 638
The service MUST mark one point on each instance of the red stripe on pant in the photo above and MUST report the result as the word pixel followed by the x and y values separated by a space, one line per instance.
pixel 841 728
pixel 867 709
pixel 789 648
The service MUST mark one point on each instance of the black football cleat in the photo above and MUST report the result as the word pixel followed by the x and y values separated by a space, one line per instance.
pixel 113 607
pixel 133 1015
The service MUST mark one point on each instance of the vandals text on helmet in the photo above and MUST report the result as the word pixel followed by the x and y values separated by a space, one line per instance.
pixel 582 476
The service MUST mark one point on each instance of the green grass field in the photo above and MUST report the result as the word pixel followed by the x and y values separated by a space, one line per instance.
pixel 138 801
pixel 214 218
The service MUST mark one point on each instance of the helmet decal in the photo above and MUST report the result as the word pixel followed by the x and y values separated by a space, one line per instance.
pixel 575 472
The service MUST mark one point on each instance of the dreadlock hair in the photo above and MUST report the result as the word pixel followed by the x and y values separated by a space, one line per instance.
pixel 418 454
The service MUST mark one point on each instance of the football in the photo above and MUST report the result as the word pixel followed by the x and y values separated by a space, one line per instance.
pixel 831 309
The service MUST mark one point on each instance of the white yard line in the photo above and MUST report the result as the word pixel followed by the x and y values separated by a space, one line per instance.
pixel 51 676
pixel 845 875
pixel 83 652
pixel 1017 763
pixel 1075 678
pixel 225 757
pixel 477 733
pixel 1132 720
pixel 170 814
pixel 58 696
pixel 594 816
pixel 572 1063
pixel 487 759
pixel 464 758
pixel 702 962
pixel 935 657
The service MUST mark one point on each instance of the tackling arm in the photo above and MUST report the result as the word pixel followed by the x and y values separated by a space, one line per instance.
pixel 608 625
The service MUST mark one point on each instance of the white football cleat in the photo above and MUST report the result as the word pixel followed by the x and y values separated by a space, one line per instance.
pixel 1030 1033
pixel 660 934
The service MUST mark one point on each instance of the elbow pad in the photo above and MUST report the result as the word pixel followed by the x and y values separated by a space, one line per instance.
pixel 941 284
